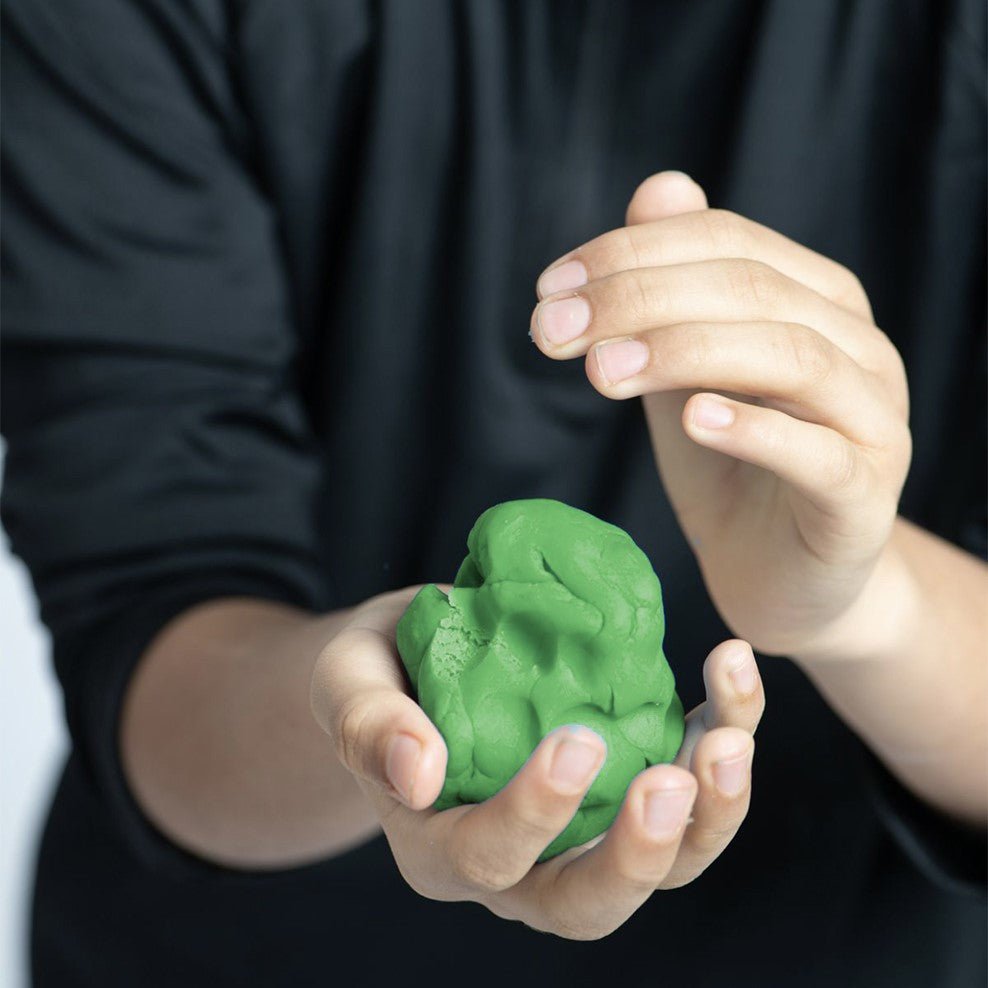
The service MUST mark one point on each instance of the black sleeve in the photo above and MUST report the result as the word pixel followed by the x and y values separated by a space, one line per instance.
pixel 157 450
pixel 949 853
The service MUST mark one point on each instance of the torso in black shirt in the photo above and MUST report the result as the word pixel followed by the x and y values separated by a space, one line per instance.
pixel 269 271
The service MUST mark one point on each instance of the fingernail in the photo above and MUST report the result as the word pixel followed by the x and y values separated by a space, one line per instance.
pixel 708 413
pixel 743 674
pixel 401 762
pixel 620 359
pixel 665 811
pixel 731 775
pixel 564 277
pixel 574 763
pixel 563 320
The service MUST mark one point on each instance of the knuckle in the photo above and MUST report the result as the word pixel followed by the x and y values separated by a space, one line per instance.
pixel 890 366
pixel 412 879
pixel 549 916
pixel 850 292
pixel 893 443
pixel 746 711
pixel 606 255
pixel 533 823
pixel 625 251
pixel 481 871
pixel 635 875
pixel 727 233
pixel 755 283
pixel 680 878
pixel 356 638
pixel 349 732
pixel 432 894
pixel 896 365
pixel 844 468
pixel 574 931
pixel 809 354
pixel 902 446
pixel 686 349
pixel 710 840
pixel 641 304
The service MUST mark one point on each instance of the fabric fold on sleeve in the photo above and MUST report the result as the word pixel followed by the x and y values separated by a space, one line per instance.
pixel 158 452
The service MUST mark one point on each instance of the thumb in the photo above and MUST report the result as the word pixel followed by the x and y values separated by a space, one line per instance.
pixel 665 194
pixel 358 697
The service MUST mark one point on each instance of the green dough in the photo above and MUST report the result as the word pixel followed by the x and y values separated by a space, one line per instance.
pixel 555 617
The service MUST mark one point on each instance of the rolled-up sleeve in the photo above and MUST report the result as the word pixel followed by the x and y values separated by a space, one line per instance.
pixel 158 453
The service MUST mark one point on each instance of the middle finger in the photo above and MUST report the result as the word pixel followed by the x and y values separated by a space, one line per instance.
pixel 476 849
pixel 566 324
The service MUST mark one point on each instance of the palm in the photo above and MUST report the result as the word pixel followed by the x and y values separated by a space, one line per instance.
pixel 760 544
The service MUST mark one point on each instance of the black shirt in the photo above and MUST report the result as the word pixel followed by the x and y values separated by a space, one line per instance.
pixel 268 271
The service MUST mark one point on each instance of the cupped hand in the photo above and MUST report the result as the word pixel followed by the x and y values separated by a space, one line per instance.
pixel 777 409
pixel 674 821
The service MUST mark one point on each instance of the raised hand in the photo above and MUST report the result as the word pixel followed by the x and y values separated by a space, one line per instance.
pixel 777 409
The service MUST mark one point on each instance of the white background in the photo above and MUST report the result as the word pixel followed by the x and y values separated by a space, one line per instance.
pixel 32 746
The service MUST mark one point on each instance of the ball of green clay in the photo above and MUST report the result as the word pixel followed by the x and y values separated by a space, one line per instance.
pixel 555 617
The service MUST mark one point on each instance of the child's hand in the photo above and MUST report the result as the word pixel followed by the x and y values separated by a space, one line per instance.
pixel 675 819
pixel 788 489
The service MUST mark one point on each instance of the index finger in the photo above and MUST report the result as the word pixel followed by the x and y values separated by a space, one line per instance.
pixel 490 846
pixel 703 235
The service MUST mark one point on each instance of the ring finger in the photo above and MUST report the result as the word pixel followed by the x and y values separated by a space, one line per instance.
pixel 721 762
pixel 589 895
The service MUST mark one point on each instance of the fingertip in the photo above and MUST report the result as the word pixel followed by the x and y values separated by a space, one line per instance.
pixel 573 757
pixel 735 695
pixel 666 812
pixel 733 664
pixel 724 755
pixel 619 390
pixel 731 741
pixel 591 368
pixel 414 761
pixel 565 274
pixel 667 776
pixel 707 416
pixel 658 805
pixel 742 671
pixel 578 732
pixel 732 776
pixel 666 193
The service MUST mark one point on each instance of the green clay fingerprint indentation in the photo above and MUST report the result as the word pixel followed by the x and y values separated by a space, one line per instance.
pixel 555 618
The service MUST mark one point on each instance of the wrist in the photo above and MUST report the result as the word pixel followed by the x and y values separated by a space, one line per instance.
pixel 881 622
